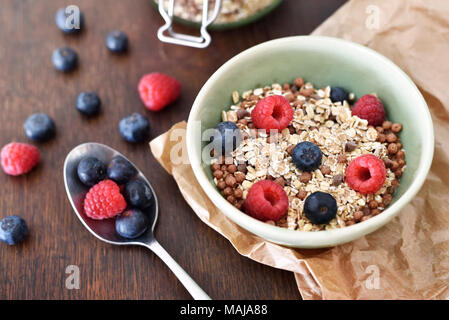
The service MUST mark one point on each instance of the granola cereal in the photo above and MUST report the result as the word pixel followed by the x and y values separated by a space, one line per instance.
pixel 340 136
pixel 231 10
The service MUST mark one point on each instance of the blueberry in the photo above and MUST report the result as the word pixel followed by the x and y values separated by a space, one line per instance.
pixel 88 103
pixel 226 138
pixel 117 41
pixel 132 223
pixel 120 170
pixel 91 171
pixel 134 128
pixel 69 22
pixel 13 229
pixel 320 207
pixel 138 194
pixel 339 94
pixel 307 156
pixel 39 127
pixel 65 59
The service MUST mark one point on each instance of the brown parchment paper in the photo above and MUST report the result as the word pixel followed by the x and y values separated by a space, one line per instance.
pixel 408 258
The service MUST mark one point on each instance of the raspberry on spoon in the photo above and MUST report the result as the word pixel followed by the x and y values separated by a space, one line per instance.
pixel 104 201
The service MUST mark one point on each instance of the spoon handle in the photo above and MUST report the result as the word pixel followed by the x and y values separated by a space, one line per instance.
pixel 192 287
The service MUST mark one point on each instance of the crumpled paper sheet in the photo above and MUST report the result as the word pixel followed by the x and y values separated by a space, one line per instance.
pixel 409 257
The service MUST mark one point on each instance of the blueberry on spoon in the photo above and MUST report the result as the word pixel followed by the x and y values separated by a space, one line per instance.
pixel 138 194
pixel 120 170
pixel 132 223
pixel 91 171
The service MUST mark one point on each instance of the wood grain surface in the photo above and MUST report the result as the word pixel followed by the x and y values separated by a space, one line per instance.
pixel 36 269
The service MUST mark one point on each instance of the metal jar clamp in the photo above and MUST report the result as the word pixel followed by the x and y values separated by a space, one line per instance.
pixel 166 33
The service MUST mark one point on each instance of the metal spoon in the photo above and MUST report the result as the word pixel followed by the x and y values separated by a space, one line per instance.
pixel 105 229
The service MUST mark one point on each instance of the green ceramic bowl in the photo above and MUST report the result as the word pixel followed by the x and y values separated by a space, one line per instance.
pixel 322 61
pixel 229 25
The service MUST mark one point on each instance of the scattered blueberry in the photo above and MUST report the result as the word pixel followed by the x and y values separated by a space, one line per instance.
pixel 307 156
pixel 65 59
pixel 117 41
pixel 138 194
pixel 91 171
pixel 132 223
pixel 339 94
pixel 39 127
pixel 66 25
pixel 88 103
pixel 13 229
pixel 226 138
pixel 320 207
pixel 120 170
pixel 134 128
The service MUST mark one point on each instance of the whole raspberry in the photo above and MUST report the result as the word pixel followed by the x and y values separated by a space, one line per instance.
pixel 104 201
pixel 370 108
pixel 266 200
pixel 366 174
pixel 158 90
pixel 272 112
pixel 19 158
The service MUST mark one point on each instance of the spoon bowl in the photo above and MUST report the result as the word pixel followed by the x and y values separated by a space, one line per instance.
pixel 76 191
pixel 105 229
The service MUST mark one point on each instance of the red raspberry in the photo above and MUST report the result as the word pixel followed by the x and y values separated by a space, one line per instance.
pixel 104 201
pixel 157 90
pixel 370 108
pixel 19 158
pixel 266 200
pixel 273 112
pixel 366 174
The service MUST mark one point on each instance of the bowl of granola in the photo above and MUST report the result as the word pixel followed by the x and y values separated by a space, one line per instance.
pixel 233 14
pixel 310 142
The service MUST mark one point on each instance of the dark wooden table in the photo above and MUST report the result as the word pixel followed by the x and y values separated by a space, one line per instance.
pixel 36 269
